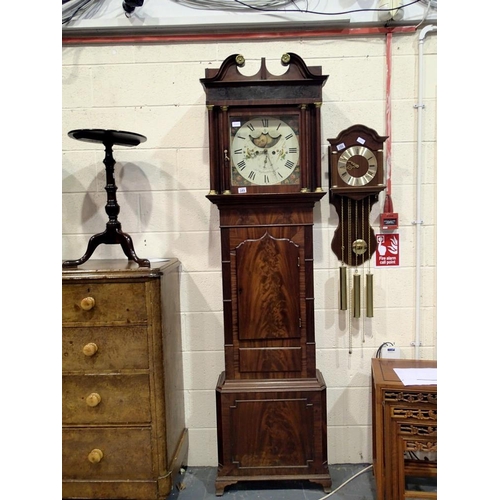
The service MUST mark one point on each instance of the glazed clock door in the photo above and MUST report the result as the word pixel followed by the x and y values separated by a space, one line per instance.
pixel 264 150
pixel 264 129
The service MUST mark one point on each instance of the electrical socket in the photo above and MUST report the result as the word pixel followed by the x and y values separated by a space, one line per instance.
pixel 390 351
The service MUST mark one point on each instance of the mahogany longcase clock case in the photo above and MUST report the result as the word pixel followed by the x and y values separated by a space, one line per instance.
pixel 264 139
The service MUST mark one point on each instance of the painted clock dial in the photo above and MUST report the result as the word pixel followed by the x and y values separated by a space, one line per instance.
pixel 264 151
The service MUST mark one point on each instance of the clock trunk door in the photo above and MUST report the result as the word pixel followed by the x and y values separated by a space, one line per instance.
pixel 268 341
pixel 268 289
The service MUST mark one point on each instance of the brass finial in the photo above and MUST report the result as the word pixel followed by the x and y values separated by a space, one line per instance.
pixel 285 59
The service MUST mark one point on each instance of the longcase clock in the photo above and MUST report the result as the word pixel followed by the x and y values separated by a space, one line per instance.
pixel 264 139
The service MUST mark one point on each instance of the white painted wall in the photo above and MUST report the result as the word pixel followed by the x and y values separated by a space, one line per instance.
pixel 154 89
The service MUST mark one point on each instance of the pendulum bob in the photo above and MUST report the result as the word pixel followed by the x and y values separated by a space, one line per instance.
pixel 369 295
pixel 356 291
pixel 343 288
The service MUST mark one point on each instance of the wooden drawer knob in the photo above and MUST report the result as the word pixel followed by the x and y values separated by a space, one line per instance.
pixel 90 349
pixel 93 399
pixel 87 303
pixel 95 456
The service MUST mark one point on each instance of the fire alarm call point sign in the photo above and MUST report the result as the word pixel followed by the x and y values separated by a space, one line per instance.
pixel 387 250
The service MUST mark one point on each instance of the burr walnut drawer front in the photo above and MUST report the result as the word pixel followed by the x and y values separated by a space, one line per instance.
pixel 101 303
pixel 101 348
pixel 107 453
pixel 106 399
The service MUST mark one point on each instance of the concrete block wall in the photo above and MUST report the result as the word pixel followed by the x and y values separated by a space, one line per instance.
pixel 154 90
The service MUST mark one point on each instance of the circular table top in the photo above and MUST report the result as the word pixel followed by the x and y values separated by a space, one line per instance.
pixel 118 137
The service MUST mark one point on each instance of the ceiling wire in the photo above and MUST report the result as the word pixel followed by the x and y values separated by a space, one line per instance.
pixel 75 8
pixel 429 5
pixel 232 5
pixel 297 9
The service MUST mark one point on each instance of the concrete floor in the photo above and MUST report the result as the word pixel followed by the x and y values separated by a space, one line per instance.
pixel 198 483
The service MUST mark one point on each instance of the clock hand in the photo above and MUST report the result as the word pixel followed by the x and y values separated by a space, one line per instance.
pixel 351 165
pixel 270 160
pixel 279 149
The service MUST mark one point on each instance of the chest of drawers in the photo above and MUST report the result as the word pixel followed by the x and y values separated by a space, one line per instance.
pixel 123 425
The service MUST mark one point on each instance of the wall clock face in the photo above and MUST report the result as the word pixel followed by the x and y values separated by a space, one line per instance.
pixel 264 151
pixel 357 166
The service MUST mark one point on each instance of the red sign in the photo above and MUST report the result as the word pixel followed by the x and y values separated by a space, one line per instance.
pixel 387 250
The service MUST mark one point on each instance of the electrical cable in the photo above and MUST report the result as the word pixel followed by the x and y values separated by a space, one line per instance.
pixel 379 350
pixel 70 8
pixel 73 7
pixel 230 4
pixel 429 4
pixel 307 11
pixel 345 482
pixel 270 6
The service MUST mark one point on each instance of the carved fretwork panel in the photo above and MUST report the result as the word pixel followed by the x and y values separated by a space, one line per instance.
pixel 411 397
pixel 420 446
pixel 418 430
pixel 268 289
pixel 416 413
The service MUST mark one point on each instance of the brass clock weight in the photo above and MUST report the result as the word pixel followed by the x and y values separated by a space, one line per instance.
pixel 356 175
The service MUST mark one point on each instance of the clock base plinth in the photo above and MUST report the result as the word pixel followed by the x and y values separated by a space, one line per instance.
pixel 272 430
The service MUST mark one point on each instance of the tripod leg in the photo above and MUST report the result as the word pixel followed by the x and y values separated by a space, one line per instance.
pixel 128 247
pixel 94 242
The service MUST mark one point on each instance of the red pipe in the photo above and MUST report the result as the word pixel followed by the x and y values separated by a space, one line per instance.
pixel 388 208
pixel 388 116
pixel 200 37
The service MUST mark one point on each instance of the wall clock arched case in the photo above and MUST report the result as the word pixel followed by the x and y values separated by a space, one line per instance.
pixel 356 179
pixel 264 139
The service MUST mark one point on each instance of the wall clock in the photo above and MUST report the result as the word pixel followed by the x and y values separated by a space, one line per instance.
pixel 265 160
pixel 356 178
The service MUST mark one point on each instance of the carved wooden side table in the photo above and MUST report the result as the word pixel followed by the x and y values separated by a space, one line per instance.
pixel 404 427
pixel 113 233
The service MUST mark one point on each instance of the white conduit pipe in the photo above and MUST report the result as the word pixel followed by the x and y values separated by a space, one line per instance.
pixel 418 222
